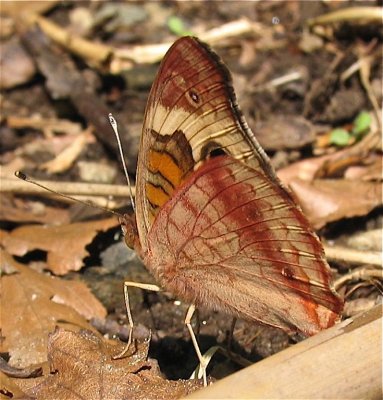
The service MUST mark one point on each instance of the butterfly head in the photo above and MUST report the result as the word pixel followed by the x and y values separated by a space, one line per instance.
pixel 130 232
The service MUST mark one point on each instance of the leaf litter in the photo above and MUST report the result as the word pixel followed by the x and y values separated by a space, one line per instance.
pixel 65 244
pixel 333 188
pixel 33 304
pixel 82 366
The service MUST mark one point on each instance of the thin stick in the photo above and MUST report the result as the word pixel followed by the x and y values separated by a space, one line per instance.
pixel 363 273
pixel 113 122
pixel 371 14
pixel 352 256
pixel 24 177
pixel 12 185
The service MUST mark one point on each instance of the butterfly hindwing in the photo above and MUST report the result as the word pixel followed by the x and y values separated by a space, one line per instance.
pixel 231 240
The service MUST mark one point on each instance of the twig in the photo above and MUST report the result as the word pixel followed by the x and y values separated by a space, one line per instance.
pixel 47 125
pixel 155 52
pixel 347 352
pixel 363 273
pixel 372 14
pixel 99 55
pixel 352 256
pixel 71 188
pixel 281 80
pixel 365 67
pixel 94 53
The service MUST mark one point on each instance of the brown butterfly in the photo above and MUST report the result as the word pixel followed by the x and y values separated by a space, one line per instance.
pixel 213 223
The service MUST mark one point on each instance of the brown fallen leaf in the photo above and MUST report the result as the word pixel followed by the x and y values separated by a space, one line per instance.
pixel 85 369
pixel 65 244
pixel 371 240
pixel 284 132
pixel 304 169
pixel 33 304
pixel 335 164
pixel 358 306
pixel 19 372
pixel 358 154
pixel 369 172
pixel 327 200
pixel 24 210
pixel 17 66
pixel 10 390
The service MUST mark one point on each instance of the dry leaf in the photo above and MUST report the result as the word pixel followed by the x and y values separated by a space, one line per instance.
pixel 23 210
pixel 369 172
pixel 284 132
pixel 326 200
pixel 85 369
pixel 14 164
pixel 17 66
pixel 10 390
pixel 304 169
pixel 371 240
pixel 33 304
pixel 357 306
pixel 335 164
pixel 65 244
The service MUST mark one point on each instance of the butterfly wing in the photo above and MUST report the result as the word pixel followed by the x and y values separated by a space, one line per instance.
pixel 191 113
pixel 232 240
pixel 215 225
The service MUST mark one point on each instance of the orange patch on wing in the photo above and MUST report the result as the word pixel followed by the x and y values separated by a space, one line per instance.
pixel 165 165
pixel 156 195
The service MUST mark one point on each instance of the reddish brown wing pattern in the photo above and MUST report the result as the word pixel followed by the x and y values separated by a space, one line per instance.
pixel 191 111
pixel 231 240
pixel 214 224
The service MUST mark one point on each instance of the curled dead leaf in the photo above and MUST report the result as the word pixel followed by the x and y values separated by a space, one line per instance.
pixel 84 368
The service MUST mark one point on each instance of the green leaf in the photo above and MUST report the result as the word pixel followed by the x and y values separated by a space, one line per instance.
pixel 339 137
pixel 177 26
pixel 361 123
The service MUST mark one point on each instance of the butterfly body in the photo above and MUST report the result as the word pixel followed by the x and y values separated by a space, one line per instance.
pixel 213 223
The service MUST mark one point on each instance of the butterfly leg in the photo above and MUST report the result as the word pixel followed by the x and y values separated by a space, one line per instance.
pixel 202 361
pixel 127 284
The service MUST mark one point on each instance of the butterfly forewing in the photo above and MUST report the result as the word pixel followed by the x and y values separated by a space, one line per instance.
pixel 191 112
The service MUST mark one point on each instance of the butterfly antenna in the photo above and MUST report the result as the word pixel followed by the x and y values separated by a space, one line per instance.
pixel 114 126
pixel 26 178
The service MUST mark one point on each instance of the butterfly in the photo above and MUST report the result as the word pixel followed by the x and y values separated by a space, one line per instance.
pixel 213 223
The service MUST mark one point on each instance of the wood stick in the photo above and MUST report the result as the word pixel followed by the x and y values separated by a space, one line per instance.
pixel 71 188
pixel 343 362
pixel 359 274
pixel 371 14
pixel 353 256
